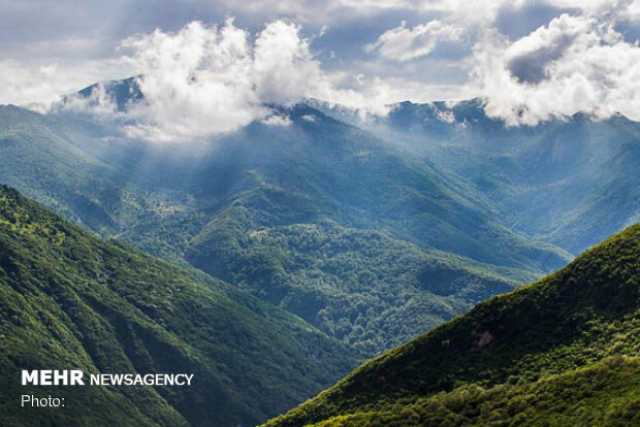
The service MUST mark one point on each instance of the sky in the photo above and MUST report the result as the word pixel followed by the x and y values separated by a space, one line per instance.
pixel 218 62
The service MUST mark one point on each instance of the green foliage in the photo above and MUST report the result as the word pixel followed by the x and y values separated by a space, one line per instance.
pixel 554 352
pixel 68 300
pixel 364 287
pixel 604 394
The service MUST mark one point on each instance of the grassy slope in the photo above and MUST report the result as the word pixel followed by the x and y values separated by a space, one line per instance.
pixel 68 300
pixel 515 347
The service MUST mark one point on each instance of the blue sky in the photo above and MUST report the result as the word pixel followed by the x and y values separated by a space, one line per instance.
pixel 531 59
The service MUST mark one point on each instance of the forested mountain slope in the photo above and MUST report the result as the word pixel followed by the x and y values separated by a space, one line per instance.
pixel 70 301
pixel 570 182
pixel 562 351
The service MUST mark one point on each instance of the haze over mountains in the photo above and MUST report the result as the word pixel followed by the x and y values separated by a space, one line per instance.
pixel 312 215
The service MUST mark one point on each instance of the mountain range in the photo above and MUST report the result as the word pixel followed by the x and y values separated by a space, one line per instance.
pixel 354 233
pixel 360 237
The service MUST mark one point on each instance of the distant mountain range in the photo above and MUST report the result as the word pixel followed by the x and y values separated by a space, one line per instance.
pixel 563 351
pixel 568 182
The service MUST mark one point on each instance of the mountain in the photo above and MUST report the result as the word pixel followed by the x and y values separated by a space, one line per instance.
pixel 362 239
pixel 352 235
pixel 364 234
pixel 569 182
pixel 562 351
pixel 71 301
pixel 41 160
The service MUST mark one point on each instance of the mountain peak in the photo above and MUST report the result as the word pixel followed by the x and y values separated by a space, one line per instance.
pixel 122 93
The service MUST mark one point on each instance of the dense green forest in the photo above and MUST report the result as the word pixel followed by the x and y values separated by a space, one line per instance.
pixel 562 351
pixel 68 300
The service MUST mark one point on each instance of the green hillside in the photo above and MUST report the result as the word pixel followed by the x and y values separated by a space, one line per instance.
pixel 43 162
pixel 559 352
pixel 362 286
pixel 68 300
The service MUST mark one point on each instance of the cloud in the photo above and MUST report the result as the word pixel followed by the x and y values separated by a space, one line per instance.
pixel 201 79
pixel 576 64
pixel 404 44
pixel 528 58
pixel 38 85
pixel 317 12
pixel 632 13
pixel 277 120
pixel 207 80
pixel 518 20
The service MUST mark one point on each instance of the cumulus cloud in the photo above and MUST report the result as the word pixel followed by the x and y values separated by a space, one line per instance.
pixel 404 44
pixel 196 82
pixel 528 58
pixel 575 64
pixel 206 80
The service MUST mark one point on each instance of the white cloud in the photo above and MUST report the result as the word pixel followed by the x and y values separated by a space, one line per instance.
pixel 195 82
pixel 202 81
pixel 575 64
pixel 277 120
pixel 404 44
pixel 38 85
pixel 528 59
pixel 284 70
pixel 632 12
